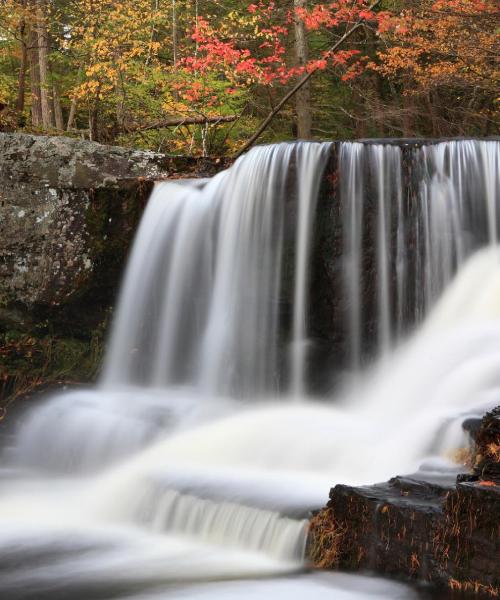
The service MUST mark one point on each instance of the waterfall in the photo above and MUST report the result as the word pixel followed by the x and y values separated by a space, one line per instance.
pixel 364 168
pixel 351 195
pixel 222 523
pixel 311 161
pixel 199 303
pixel 428 207
pixel 193 444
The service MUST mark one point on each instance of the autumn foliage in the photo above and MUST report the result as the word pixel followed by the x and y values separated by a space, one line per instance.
pixel 452 43
pixel 115 71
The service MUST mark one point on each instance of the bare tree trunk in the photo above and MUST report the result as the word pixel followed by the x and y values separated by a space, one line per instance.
pixel 174 31
pixel 431 106
pixel 94 117
pixel 121 101
pixel 303 96
pixel 58 114
pixel 406 120
pixel 178 121
pixel 36 106
pixel 72 114
pixel 43 57
pixel 21 84
pixel 74 105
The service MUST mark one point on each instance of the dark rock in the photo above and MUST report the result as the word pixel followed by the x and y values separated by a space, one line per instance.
pixel 445 532
pixel 467 538
pixel 487 441
pixel 471 426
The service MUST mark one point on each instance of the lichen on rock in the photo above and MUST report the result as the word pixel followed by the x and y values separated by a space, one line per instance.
pixel 68 213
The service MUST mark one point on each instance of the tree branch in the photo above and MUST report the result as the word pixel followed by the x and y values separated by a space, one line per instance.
pixel 264 125
pixel 175 122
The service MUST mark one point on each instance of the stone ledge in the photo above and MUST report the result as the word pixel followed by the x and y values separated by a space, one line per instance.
pixel 63 162
pixel 446 532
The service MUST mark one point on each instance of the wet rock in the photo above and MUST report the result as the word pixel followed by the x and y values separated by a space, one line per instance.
pixel 68 210
pixel 385 527
pixel 445 531
pixel 487 443
pixel 467 538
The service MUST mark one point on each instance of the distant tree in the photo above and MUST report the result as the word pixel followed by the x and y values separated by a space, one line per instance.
pixel 445 53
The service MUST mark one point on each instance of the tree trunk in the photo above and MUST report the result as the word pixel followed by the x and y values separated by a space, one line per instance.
pixel 94 118
pixel 36 106
pixel 72 114
pixel 43 57
pixel 121 100
pixel 21 85
pixel 174 32
pixel 58 114
pixel 74 104
pixel 177 121
pixel 303 96
pixel 298 86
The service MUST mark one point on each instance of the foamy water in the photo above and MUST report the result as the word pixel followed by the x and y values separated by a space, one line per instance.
pixel 192 465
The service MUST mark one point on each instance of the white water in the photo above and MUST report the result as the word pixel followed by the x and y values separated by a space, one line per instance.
pixel 311 161
pixel 426 223
pixel 196 468
pixel 189 311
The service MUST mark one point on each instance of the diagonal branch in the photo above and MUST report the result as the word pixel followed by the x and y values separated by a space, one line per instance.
pixel 264 125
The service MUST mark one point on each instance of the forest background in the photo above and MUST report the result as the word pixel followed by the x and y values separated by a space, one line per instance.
pixel 199 76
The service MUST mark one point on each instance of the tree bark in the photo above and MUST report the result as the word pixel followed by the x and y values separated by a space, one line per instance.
pixel 21 84
pixel 72 114
pixel 74 105
pixel 34 64
pixel 43 57
pixel 58 114
pixel 303 96
pixel 174 32
pixel 121 101
pixel 94 117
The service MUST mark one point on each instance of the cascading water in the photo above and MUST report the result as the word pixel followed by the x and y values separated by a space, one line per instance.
pixel 412 215
pixel 199 301
pixel 309 166
pixel 196 461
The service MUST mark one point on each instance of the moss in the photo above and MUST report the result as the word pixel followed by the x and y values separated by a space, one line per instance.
pixel 325 540
pixel 28 361
pixel 473 587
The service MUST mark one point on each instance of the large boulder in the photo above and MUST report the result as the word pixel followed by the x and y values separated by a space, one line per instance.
pixel 68 212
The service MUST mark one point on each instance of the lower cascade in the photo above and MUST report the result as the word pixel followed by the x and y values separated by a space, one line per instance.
pixel 203 449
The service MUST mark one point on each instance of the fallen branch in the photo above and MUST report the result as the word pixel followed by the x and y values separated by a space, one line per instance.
pixel 176 122
pixel 298 85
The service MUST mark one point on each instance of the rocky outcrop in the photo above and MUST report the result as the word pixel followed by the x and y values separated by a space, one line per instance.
pixel 68 212
pixel 446 531
pixel 67 209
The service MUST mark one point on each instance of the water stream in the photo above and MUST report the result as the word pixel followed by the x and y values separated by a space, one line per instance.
pixel 191 468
